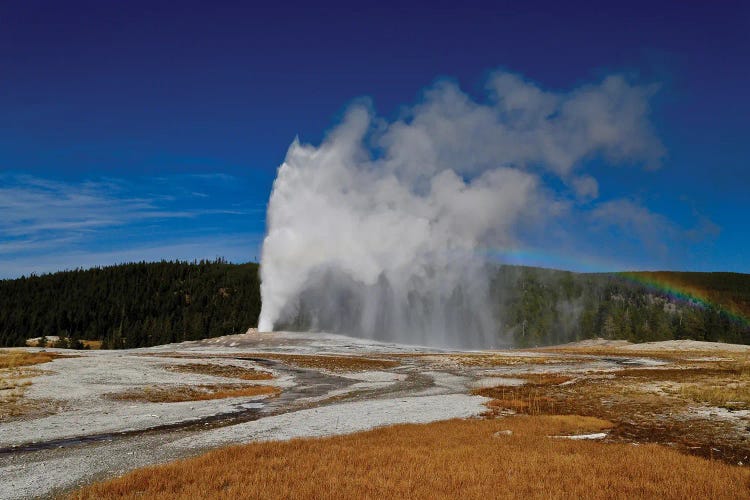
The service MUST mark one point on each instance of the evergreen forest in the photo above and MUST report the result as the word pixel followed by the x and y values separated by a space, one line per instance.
pixel 145 304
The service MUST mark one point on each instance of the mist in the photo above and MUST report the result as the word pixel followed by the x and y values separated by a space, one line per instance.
pixel 382 230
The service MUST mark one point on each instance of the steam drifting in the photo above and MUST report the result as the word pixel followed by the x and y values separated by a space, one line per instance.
pixel 378 232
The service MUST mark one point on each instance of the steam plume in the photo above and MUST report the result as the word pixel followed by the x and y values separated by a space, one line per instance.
pixel 376 232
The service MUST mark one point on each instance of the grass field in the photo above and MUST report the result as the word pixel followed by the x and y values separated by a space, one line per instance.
pixel 504 458
pixel 17 359
pixel 659 405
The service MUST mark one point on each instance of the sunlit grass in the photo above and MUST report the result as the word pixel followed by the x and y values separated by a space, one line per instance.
pixel 92 344
pixel 669 404
pixel 545 378
pixel 733 396
pixel 15 359
pixel 506 458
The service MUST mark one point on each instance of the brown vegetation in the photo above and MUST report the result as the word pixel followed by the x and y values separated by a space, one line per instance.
pixel 15 376
pixel 227 371
pixel 652 405
pixel 545 378
pixel 507 458
pixel 492 359
pixel 194 393
pixel 87 344
pixel 15 359
pixel 724 384
pixel 526 399
pixel 676 355
pixel 733 395
pixel 331 362
pixel 12 388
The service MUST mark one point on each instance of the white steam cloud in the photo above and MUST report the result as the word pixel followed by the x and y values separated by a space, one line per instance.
pixel 378 232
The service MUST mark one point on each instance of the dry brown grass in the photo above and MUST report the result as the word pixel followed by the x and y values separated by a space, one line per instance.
pixel 12 388
pixel 732 395
pixel 725 384
pixel 493 359
pixel 193 393
pixel 526 399
pixel 545 378
pixel 92 344
pixel 15 378
pixel 88 344
pixel 331 362
pixel 453 459
pixel 227 371
pixel 740 366
pixel 13 405
pixel 15 359
pixel 648 405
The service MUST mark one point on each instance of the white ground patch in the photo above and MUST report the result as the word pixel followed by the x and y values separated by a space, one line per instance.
pixel 80 387
pixel 374 376
pixel 645 362
pixel 344 418
pixel 50 340
pixel 487 382
pixel 579 437
pixel 370 381
pixel 351 389
pixel 719 413
pixel 687 345
pixel 445 382
pixel 665 345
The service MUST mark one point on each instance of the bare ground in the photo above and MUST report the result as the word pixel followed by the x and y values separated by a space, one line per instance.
pixel 693 398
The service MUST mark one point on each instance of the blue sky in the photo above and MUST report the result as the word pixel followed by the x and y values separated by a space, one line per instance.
pixel 149 130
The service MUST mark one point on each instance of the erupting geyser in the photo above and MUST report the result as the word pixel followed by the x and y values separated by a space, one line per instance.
pixel 378 232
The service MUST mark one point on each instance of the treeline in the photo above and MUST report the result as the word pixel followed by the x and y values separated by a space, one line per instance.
pixel 542 307
pixel 145 304
pixel 132 305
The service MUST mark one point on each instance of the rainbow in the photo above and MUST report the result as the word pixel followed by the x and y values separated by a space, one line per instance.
pixel 535 257
pixel 655 281
pixel 681 292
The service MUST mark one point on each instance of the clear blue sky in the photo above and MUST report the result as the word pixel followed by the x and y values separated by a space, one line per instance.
pixel 148 130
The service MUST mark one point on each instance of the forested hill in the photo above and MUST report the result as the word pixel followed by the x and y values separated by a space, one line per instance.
pixel 144 304
pixel 132 305
pixel 540 306
pixel 730 291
